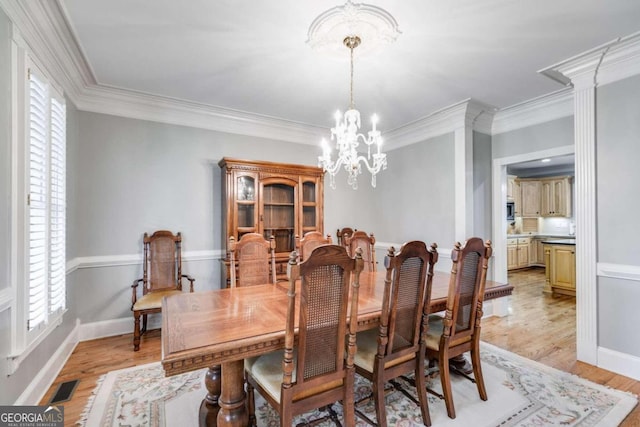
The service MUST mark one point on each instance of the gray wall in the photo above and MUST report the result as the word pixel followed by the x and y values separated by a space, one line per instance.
pixel 132 176
pixel 618 185
pixel 415 199
pixel 482 208
pixel 556 133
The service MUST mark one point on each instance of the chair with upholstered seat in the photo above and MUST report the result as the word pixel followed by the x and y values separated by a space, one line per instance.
pixel 309 242
pixel 397 346
pixel 459 330
pixel 319 370
pixel 162 276
pixel 360 239
pixel 252 260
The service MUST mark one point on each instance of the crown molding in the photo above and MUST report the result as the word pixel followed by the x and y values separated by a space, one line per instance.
pixel 538 110
pixel 468 112
pixel 126 103
pixel 612 61
pixel 44 28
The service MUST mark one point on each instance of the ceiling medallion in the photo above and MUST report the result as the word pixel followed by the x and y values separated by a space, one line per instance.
pixel 354 26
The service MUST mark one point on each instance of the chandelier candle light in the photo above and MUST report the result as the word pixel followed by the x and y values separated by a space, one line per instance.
pixel 355 19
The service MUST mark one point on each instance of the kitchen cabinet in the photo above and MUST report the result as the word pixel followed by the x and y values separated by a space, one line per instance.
pixel 555 197
pixel 536 252
pixel 514 193
pixel 530 198
pixel 518 252
pixel 560 272
pixel 544 197
pixel 273 199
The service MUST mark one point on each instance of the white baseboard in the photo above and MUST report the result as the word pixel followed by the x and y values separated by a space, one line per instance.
pixel 620 363
pixel 36 390
pixel 109 328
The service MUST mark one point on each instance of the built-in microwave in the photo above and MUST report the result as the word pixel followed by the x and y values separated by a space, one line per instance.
pixel 511 211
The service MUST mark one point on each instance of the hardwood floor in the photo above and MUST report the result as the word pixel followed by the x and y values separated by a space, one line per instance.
pixel 541 327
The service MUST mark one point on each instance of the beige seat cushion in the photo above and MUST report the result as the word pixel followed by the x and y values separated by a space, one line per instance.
pixel 367 344
pixel 152 300
pixel 266 370
pixel 436 327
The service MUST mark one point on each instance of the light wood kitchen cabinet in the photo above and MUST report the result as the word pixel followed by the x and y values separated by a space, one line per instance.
pixel 560 273
pixel 514 193
pixel 536 252
pixel 518 252
pixel 530 198
pixel 555 197
pixel 273 199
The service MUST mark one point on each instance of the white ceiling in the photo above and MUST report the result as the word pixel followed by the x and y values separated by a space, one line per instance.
pixel 252 55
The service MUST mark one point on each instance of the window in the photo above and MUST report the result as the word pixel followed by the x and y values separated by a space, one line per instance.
pixel 46 201
pixel 38 204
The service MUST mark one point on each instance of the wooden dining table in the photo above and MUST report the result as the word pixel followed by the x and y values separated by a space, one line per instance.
pixel 218 329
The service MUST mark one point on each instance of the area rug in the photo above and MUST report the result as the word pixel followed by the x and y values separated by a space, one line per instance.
pixel 521 393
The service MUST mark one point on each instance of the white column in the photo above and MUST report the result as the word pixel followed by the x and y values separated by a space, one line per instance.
pixel 585 214
pixel 463 140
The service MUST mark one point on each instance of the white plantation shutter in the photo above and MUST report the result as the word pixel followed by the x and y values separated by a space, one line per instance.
pixel 46 218
pixel 57 294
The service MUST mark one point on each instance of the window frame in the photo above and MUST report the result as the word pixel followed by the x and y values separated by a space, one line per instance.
pixel 23 340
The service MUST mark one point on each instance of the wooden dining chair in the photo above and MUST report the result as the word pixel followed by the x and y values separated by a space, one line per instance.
pixel 162 276
pixel 252 260
pixel 341 235
pixel 459 330
pixel 309 242
pixel 360 239
pixel 397 346
pixel 319 370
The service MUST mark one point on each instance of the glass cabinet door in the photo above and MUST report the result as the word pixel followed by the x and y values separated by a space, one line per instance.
pixel 245 189
pixel 309 207
pixel 278 215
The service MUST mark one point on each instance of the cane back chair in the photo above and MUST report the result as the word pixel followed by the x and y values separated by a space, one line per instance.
pixel 397 347
pixel 360 239
pixel 309 242
pixel 459 330
pixel 315 373
pixel 252 260
pixel 162 276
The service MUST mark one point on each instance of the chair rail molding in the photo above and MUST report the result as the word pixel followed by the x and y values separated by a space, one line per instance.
pixel 619 271
pixel 135 259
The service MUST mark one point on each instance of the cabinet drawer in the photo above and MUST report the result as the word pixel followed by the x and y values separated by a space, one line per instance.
pixel 524 240
pixel 512 242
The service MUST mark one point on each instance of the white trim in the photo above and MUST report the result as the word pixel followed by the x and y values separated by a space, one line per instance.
pixel 135 259
pixel 542 109
pixel 620 363
pixel 607 63
pixel 113 327
pixel 37 388
pixel 446 120
pixel 619 271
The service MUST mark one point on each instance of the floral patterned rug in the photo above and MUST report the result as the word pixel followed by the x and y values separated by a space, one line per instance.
pixel 521 393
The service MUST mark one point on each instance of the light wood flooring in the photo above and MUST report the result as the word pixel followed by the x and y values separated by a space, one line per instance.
pixel 541 327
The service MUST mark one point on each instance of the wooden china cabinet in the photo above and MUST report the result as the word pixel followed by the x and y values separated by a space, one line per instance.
pixel 273 199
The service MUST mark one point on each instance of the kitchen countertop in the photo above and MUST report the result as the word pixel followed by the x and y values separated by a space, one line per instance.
pixel 541 236
pixel 559 241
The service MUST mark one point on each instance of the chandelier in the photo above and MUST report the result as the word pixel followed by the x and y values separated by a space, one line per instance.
pixel 347 24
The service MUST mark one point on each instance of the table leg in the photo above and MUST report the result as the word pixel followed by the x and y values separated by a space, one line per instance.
pixel 209 407
pixel 233 408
